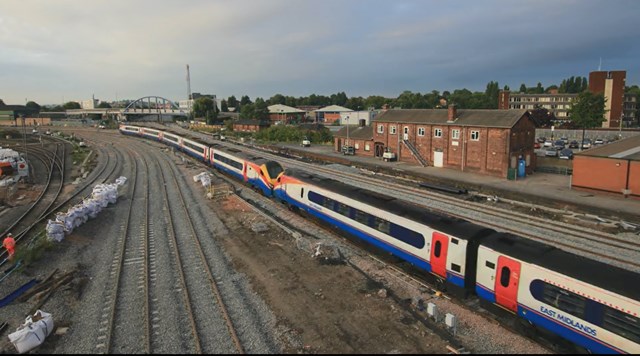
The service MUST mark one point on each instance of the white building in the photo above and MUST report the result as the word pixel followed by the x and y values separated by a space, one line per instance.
pixel 354 117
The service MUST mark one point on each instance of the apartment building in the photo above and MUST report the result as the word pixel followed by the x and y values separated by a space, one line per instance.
pixel 558 104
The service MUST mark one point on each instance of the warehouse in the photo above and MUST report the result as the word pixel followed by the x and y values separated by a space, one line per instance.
pixel 614 168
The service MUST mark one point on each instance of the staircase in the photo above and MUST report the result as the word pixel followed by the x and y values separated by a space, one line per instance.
pixel 415 153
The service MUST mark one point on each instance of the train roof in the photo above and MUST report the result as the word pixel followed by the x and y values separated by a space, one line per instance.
pixel 240 154
pixel 615 279
pixel 455 227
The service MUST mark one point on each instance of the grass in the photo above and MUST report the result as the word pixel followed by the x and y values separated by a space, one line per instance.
pixel 33 251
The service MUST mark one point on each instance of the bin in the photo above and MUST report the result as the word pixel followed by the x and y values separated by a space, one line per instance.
pixel 521 168
pixel 511 174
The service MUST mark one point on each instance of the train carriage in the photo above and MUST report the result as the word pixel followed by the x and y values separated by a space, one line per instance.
pixel 150 133
pixel 130 130
pixel 258 172
pixel 196 148
pixel 432 242
pixel 172 139
pixel 590 303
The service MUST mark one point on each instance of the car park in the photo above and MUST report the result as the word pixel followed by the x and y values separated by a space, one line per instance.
pixel 574 144
pixel 565 154
pixel 558 145
pixel 551 152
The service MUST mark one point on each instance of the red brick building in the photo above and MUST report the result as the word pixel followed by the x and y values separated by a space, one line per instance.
pixel 481 141
pixel 611 85
pixel 360 137
pixel 248 125
pixel 614 168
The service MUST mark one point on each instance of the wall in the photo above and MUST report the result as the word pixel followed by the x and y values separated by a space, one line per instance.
pixel 606 174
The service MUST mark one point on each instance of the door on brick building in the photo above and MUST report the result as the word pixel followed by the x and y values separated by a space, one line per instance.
pixel 406 133
pixel 438 158
pixel 379 149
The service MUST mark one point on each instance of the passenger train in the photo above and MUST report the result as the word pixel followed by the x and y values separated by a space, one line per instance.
pixel 591 304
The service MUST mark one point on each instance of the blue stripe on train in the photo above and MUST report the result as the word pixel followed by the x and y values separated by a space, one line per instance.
pixel 362 235
pixel 555 326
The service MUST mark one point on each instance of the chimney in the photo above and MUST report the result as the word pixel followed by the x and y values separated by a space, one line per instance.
pixel 452 115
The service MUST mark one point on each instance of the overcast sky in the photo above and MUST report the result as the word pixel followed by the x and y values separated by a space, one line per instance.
pixel 54 51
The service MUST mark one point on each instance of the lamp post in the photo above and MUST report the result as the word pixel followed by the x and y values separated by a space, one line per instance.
pixel 24 142
pixel 282 116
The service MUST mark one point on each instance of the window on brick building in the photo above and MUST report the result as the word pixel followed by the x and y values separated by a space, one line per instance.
pixel 380 128
pixel 392 130
pixel 420 131
pixel 367 147
pixel 475 135
pixel 455 134
pixel 437 132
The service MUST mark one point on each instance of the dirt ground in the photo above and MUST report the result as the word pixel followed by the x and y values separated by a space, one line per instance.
pixel 329 308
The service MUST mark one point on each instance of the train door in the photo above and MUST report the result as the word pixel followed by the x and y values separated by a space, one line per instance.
pixel 244 171
pixel 439 247
pixel 507 279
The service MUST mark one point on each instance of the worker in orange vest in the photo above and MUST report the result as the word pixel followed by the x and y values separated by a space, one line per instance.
pixel 10 244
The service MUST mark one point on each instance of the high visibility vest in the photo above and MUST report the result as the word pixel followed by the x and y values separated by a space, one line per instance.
pixel 9 243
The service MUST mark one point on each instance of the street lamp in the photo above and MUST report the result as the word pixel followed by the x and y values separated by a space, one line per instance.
pixel 282 116
pixel 347 120
pixel 24 142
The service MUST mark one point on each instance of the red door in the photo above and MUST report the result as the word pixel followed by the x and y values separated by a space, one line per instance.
pixel 439 246
pixel 507 279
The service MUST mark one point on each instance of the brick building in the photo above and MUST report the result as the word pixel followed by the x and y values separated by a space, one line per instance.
pixel 611 84
pixel 611 168
pixel 360 137
pixel 480 141
pixel 249 125
pixel 330 114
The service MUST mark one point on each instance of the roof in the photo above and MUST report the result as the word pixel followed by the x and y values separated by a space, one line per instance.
pixel 356 132
pixel 465 117
pixel 279 108
pixel 582 268
pixel 628 148
pixel 334 108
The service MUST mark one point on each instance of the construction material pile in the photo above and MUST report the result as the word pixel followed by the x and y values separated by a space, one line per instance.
pixel 204 178
pixel 101 197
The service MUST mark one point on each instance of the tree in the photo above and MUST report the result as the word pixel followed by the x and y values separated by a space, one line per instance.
pixel 33 105
pixel 539 88
pixel 204 107
pixel 277 99
pixel 71 105
pixel 587 111
pixel 542 117
pixel 223 106
pixel 261 109
pixel 104 105
pixel 245 100
pixel 2 103
pixel 491 93
pixel 523 88
pixel 232 102
pixel 506 88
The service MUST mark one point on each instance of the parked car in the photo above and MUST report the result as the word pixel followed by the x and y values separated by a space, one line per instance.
pixel 574 144
pixel 565 140
pixel 305 142
pixel 537 145
pixel 558 145
pixel 548 143
pixel 565 154
pixel 542 139
pixel 551 152
pixel 586 143
pixel 598 141
pixel 35 131
pixel 348 150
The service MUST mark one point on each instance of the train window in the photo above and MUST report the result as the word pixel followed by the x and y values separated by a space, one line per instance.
pixel 562 299
pixel 344 209
pixel 623 324
pixel 437 248
pixel 490 264
pixel 505 276
pixel 382 225
pixel 362 217
pixel 406 235
pixel 455 267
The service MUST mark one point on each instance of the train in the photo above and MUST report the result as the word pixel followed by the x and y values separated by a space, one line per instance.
pixel 545 290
